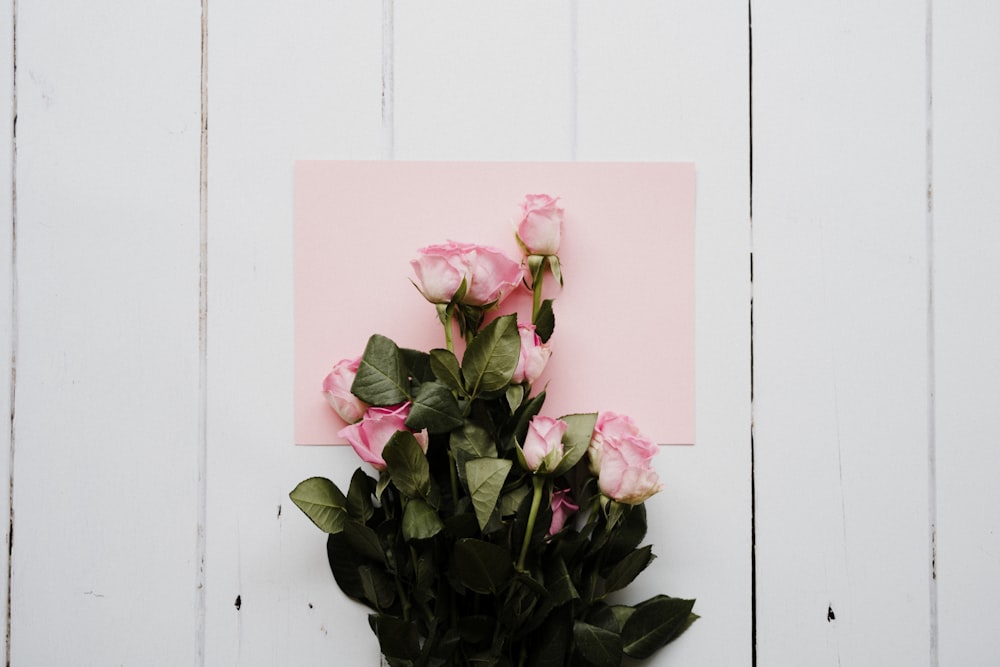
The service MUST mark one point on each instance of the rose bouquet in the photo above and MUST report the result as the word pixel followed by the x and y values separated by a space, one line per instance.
pixel 491 534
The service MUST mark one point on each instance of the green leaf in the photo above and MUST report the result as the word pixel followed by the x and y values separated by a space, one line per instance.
pixel 359 496
pixel 628 533
pixel 435 409
pixel 490 359
pixel 396 638
pixel 379 587
pixel 556 268
pixel 344 564
pixel 420 521
pixel 597 646
pixel 655 623
pixel 481 566
pixel 444 364
pixel 511 501
pixel 515 394
pixel 545 321
pixel 418 364
pixel 364 541
pixel 382 377
pixel 322 502
pixel 486 477
pixel 559 583
pixel 407 465
pixel 628 568
pixel 473 439
pixel 577 439
pixel 550 643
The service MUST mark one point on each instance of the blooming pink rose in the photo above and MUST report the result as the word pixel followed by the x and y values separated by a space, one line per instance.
pixel 616 428
pixel 540 228
pixel 543 448
pixel 621 457
pixel 488 273
pixel 534 355
pixel 337 389
pixel 369 436
pixel 630 482
pixel 562 509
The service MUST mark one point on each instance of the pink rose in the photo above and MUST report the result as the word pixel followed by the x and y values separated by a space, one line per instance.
pixel 562 509
pixel 489 274
pixel 540 228
pixel 621 457
pixel 615 428
pixel 543 448
pixel 534 355
pixel 337 389
pixel 369 436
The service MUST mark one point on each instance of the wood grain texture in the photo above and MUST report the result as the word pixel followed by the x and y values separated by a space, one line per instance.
pixel 669 81
pixel 106 404
pixel 483 81
pixel 966 201
pixel 841 334
pixel 7 273
pixel 288 81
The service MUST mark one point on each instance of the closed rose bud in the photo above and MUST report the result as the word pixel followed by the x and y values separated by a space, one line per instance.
pixel 369 436
pixel 337 390
pixel 534 355
pixel 543 448
pixel 562 509
pixel 540 227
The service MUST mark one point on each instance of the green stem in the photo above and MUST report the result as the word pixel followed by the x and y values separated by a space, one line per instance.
pixel 452 472
pixel 536 292
pixel 449 343
pixel 538 483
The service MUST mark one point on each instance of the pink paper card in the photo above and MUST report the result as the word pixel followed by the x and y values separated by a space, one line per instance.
pixel 624 334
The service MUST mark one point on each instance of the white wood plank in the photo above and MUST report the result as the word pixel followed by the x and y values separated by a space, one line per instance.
pixel 840 333
pixel 966 170
pixel 6 282
pixel 669 81
pixel 107 383
pixel 483 80
pixel 298 80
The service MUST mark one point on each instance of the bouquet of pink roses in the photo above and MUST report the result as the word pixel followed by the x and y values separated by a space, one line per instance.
pixel 490 529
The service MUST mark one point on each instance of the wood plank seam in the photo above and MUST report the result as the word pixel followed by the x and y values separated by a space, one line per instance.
pixel 202 449
pixel 931 356
pixel 753 472
pixel 13 333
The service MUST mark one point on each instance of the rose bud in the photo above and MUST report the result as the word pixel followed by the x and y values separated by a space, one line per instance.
pixel 534 355
pixel 540 228
pixel 337 390
pixel 543 448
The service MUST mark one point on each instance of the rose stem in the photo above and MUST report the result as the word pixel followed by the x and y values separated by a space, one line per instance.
pixel 449 343
pixel 536 292
pixel 538 483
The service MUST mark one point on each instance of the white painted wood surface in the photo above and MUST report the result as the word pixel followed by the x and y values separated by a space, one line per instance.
pixel 151 465
pixel 840 335
pixel 106 407
pixel 966 259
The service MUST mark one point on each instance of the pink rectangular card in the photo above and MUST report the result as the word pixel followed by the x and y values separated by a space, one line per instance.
pixel 624 335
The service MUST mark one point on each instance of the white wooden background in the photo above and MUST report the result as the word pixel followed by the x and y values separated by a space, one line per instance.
pixel 841 506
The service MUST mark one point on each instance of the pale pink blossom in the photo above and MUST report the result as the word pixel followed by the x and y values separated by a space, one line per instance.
pixel 369 436
pixel 337 390
pixel 540 228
